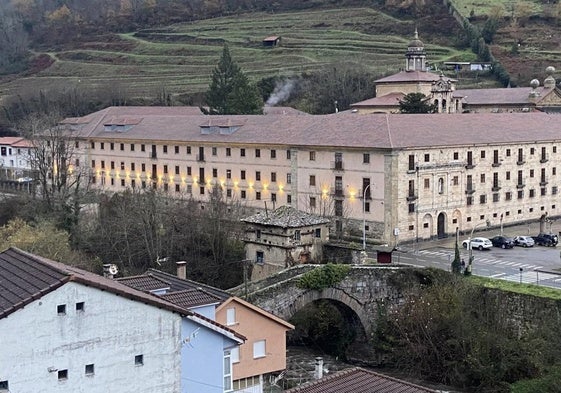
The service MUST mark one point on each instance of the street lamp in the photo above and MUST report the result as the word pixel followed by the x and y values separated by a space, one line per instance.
pixel 364 216
pixel 470 247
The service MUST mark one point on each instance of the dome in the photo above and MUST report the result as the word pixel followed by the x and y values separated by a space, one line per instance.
pixel 534 83
pixel 416 42
pixel 550 70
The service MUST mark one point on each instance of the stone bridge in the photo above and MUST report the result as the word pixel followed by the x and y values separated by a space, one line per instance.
pixel 363 291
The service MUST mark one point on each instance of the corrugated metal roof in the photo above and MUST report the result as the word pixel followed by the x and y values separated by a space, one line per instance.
pixel 359 380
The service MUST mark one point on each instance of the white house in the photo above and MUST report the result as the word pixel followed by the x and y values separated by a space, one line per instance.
pixel 14 157
pixel 68 330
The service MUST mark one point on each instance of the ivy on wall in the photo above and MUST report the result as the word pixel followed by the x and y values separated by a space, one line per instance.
pixel 323 277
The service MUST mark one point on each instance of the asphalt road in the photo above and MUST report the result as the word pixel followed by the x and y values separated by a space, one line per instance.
pixel 536 265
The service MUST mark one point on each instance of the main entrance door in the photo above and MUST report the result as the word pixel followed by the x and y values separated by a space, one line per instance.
pixel 441 226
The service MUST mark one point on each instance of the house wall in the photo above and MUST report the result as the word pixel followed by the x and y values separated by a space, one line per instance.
pixel 202 358
pixel 109 333
pixel 412 87
pixel 256 327
pixel 490 200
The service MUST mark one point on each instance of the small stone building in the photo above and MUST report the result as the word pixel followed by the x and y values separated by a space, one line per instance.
pixel 283 237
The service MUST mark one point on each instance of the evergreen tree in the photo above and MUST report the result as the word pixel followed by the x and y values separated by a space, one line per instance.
pixel 230 91
pixel 416 103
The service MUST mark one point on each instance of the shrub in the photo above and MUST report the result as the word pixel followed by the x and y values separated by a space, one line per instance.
pixel 323 277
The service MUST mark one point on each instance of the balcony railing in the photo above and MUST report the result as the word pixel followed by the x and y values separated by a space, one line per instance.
pixel 337 165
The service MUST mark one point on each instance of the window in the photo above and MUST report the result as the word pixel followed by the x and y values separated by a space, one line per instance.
pixel 177 188
pixel 228 173
pixel 62 375
pixel 312 156
pixel 122 166
pixel 133 183
pixel 456 180
pixel 242 194
pixel 188 171
pixel 61 309
pixel 553 171
pixel 520 194
pixel 177 169
pixel 317 233
pixel 89 369
pixel 482 199
pixel 112 164
pixel 367 207
pixel 80 306
pixel 188 149
pixel 227 372
pixel 228 193
pixel 273 197
pixel 165 169
pixel 111 146
pixel 456 155
pixel 273 154
pixel 411 208
pixel 288 155
pixel 176 149
pixel 102 145
pixel 242 152
pixel 273 177
pixel 312 180
pixel 482 153
pixel 228 152
pixel 288 198
pixel 259 257
pixel 93 163
pixel 366 158
pixel 257 153
pixel 214 151
pixel 508 196
pixel 139 360
pixel 532 193
pixel 508 152
pixel 288 178
pixel 242 174
pixel 235 354
pixel 482 178
pixel 532 151
pixel 230 316
pixel 427 183
pixel 411 165
pixel 214 172
pixel 202 190
pixel 258 176
pixel 297 235
pixel 496 197
pixel 132 147
pixel 508 175
pixel 258 195
pixel 165 149
pixel 531 173
pixel 132 166
pixel 312 202
pixel 259 349
pixel 440 185
pixel 4 385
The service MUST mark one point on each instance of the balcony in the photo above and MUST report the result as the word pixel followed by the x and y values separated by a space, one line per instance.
pixel 470 165
pixel 520 162
pixel 469 189
pixel 496 164
pixel 544 159
pixel 520 185
pixel 496 187
pixel 200 157
pixel 543 183
pixel 337 165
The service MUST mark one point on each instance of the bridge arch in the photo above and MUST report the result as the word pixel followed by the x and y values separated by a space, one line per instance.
pixel 334 294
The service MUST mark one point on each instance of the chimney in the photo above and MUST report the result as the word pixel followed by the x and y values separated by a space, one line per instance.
pixel 181 269
pixel 318 371
pixel 107 270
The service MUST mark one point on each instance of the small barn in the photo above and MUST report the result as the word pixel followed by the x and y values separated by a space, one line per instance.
pixel 272 41
pixel 275 240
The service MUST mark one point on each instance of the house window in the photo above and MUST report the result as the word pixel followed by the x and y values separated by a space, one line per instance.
pixel 165 169
pixel 366 158
pixel 312 202
pixel 242 152
pixel 165 149
pixel 411 165
pixel 177 169
pixel 456 155
pixel 112 164
pixel 508 196
pixel 273 154
pixel 317 233
pixel 228 152
pixel 288 154
pixel 228 173
pixel 214 172
pixel 427 157
pixel 507 175
pixel 189 189
pixel 456 180
pixel 367 207
pixel 61 309
pixel 273 177
pixel 288 178
pixel 482 178
pixel 93 163
pixel 4 385
pixel 259 349
pixel 242 174
pixel 230 316
pixel 89 369
pixel 132 166
pixel 258 195
pixel 102 145
pixel 288 198
pixel 92 145
pixel 531 173
pixel 176 149
pixel 111 146
pixel 273 197
pixel 312 156
pixel 80 306
pixel 257 153
pixel 235 354
pixel 62 375
pixel 411 208
pixel 427 183
pixel 177 188
pixel 188 151
pixel 139 360
pixel 440 185
pixel 258 175
pixel 508 152
pixel 214 151
pixel 312 180
pixel 188 170
pixel 122 166
pixel 495 197
pixel 227 372
pixel 482 199
pixel 242 194
pixel 297 235
pixel 532 151
pixel 202 190
pixel 259 257
pixel 132 146
pixel 482 153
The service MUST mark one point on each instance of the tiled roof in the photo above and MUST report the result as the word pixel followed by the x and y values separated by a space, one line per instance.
pixel 359 380
pixel 504 96
pixel 285 217
pixel 191 298
pixel 343 130
pixel 145 282
pixel 391 99
pixel 25 277
pixel 412 76
pixel 178 284
pixel 10 140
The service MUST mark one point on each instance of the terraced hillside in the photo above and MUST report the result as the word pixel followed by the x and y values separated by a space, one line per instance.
pixel 180 58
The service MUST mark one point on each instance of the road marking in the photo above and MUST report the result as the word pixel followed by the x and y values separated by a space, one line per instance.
pixel 497 275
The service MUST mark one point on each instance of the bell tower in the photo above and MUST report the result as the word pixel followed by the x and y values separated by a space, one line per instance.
pixel 416 55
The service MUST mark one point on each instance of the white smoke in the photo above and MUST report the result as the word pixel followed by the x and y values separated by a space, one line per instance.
pixel 281 92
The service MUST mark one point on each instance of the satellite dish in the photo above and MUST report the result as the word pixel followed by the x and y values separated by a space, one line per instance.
pixel 113 269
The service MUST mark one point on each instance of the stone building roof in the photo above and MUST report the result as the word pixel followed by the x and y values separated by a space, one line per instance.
pixel 391 99
pixel 285 217
pixel 412 76
pixel 355 380
pixel 501 96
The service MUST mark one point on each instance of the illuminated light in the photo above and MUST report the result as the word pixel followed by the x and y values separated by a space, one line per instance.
pixel 236 183
pixel 352 193
pixel 265 185
pixel 127 174
pixel 222 183
pixel 281 188
pixel 183 179
pixel 195 180
pixel 250 184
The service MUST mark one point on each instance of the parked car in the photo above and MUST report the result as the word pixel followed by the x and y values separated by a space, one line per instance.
pixel 502 241
pixel 524 241
pixel 546 239
pixel 480 243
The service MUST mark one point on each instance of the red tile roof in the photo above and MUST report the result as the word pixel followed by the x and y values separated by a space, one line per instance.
pixel 391 99
pixel 359 380
pixel 10 140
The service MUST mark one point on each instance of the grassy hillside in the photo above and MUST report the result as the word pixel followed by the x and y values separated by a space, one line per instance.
pixel 180 58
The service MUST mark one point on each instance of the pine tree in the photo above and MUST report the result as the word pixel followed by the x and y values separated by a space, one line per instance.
pixel 416 103
pixel 230 91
